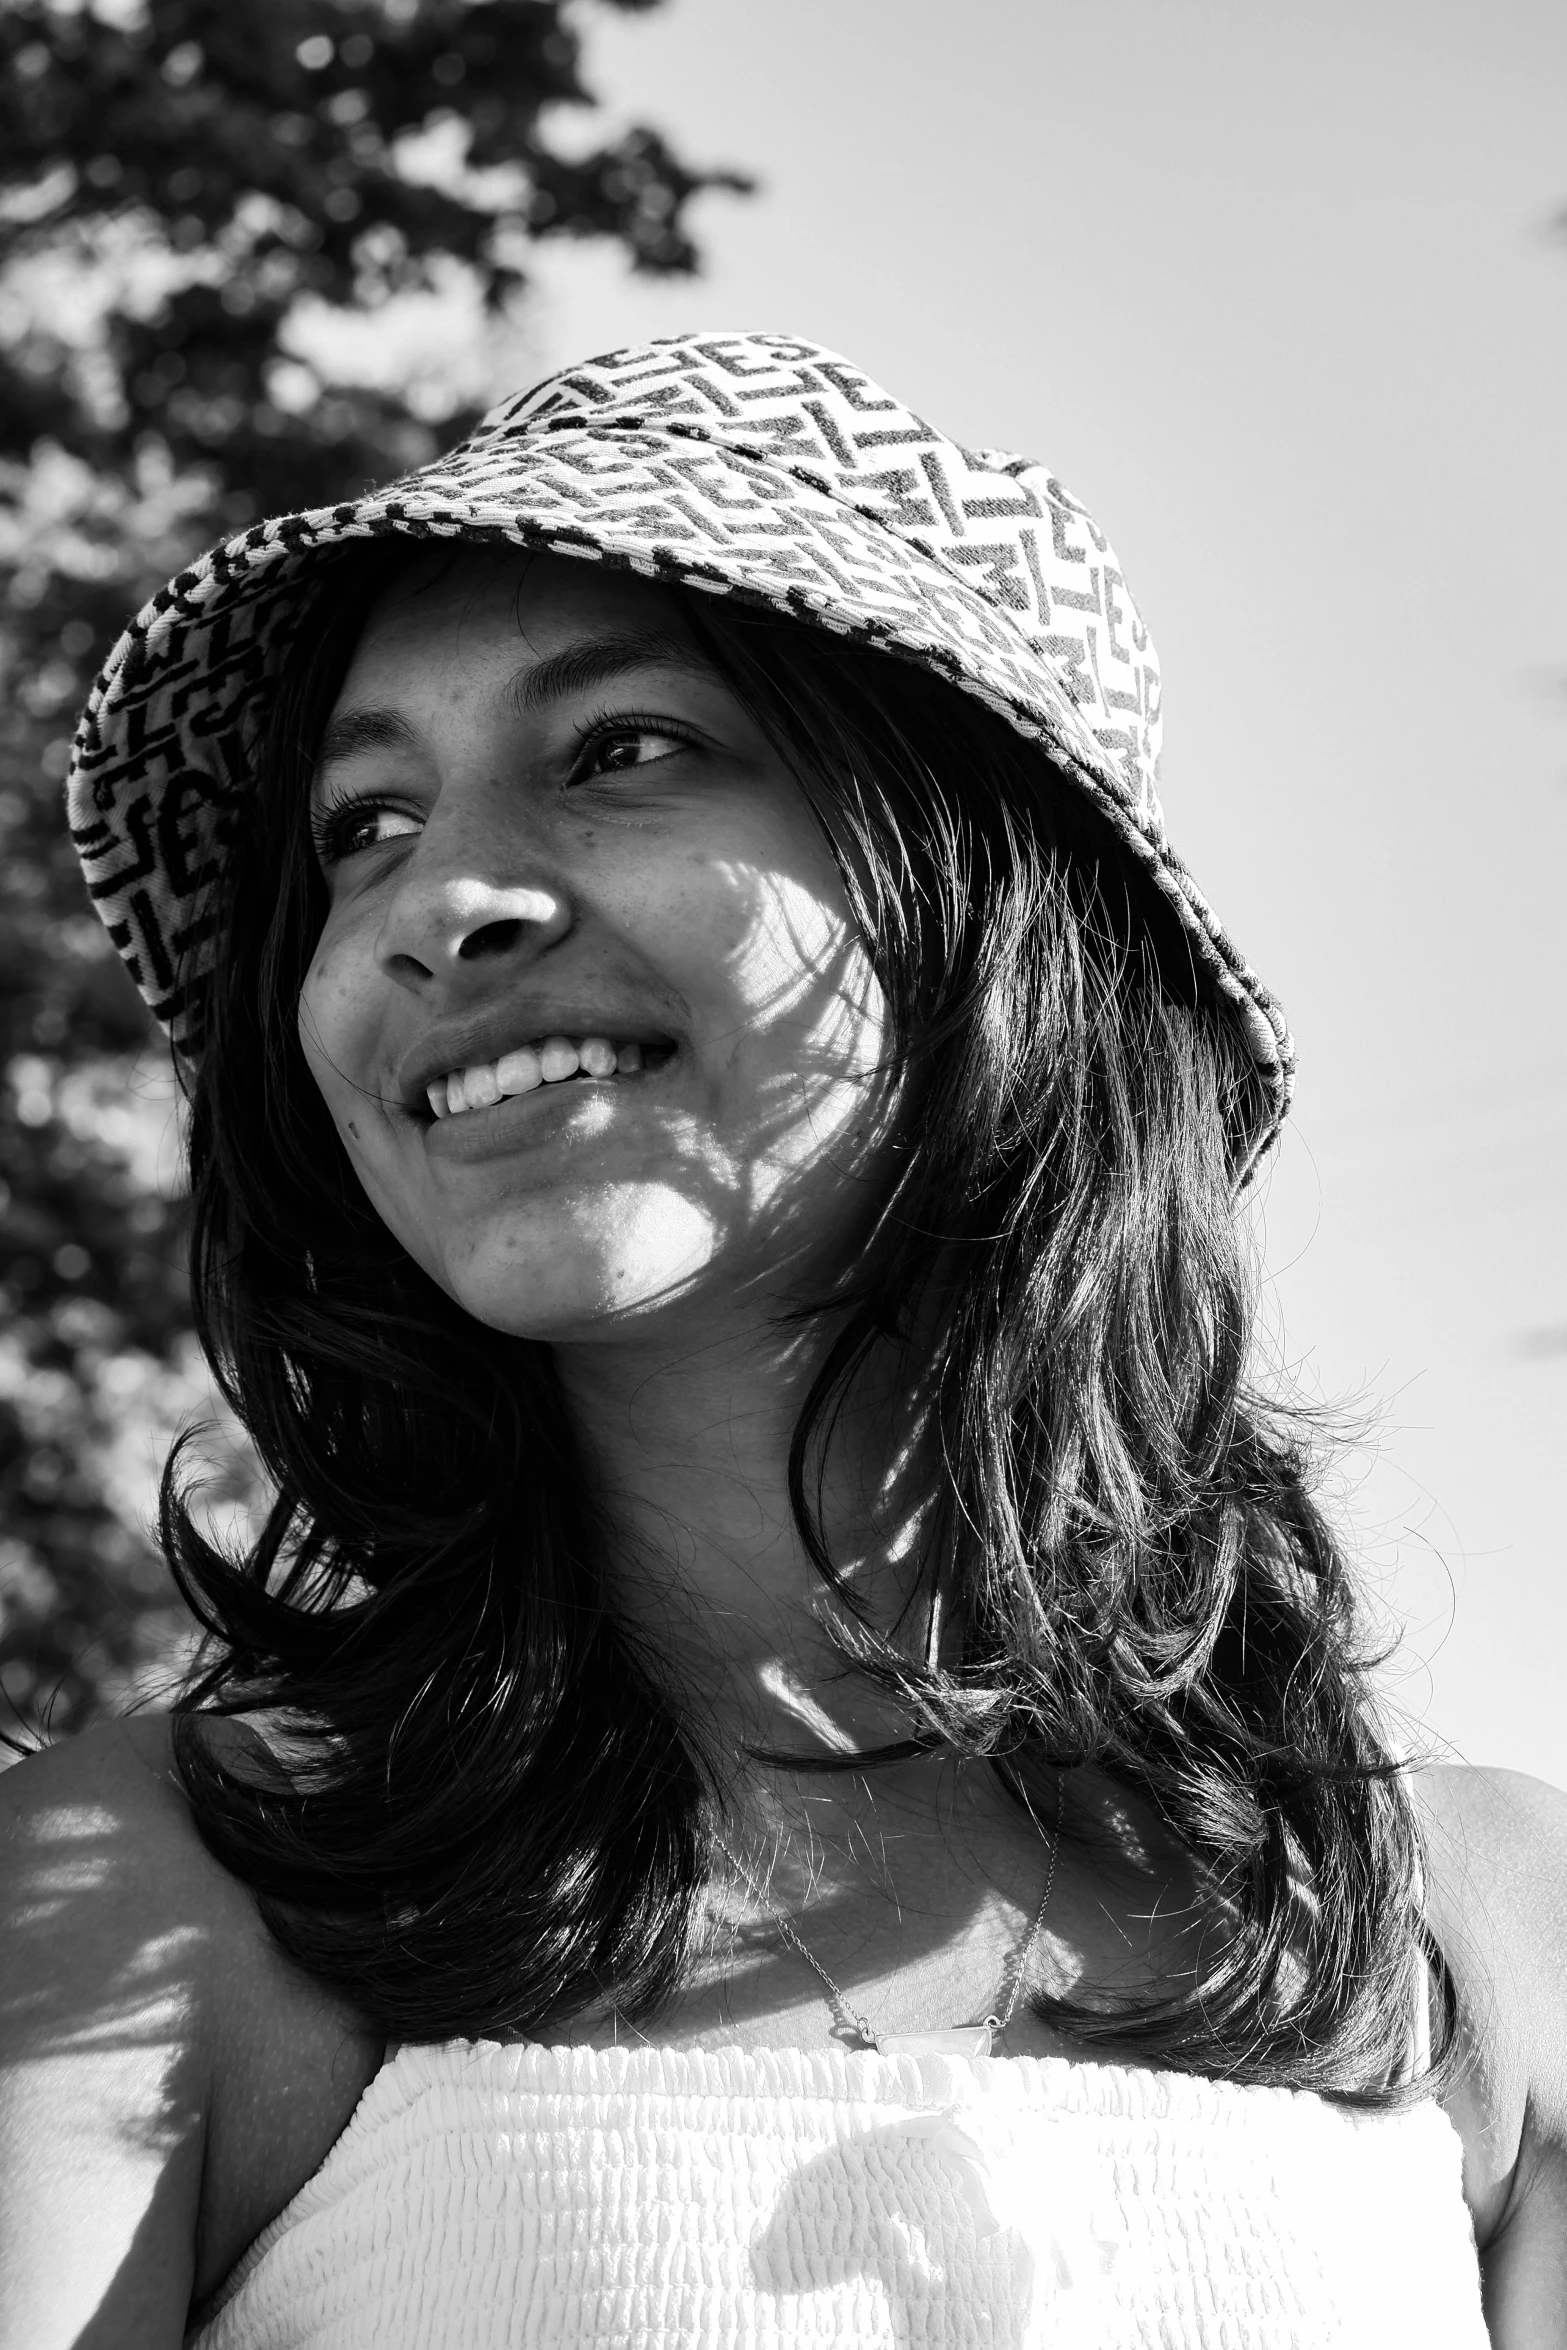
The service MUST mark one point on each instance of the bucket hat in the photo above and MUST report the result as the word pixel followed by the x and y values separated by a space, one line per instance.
pixel 752 465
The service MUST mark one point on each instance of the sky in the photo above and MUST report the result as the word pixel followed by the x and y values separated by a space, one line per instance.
pixel 1279 292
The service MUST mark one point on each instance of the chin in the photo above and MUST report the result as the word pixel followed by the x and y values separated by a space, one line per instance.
pixel 640 1251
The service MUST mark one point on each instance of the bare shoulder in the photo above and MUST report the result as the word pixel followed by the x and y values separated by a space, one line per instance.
pixel 1496 1846
pixel 156 2051
pixel 101 1822
pixel 104 2074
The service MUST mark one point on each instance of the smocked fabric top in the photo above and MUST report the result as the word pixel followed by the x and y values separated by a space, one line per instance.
pixel 654 2199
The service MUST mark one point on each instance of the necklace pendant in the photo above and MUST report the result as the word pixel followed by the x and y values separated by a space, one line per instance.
pixel 957 2040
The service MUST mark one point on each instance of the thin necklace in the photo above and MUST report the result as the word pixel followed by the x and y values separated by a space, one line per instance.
pixel 957 2039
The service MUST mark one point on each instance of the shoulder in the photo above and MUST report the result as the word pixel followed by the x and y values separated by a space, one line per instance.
pixel 104 2077
pixel 145 2004
pixel 1496 1852
pixel 103 1818
pixel 1496 1849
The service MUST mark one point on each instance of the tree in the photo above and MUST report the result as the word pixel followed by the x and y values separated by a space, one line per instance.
pixel 206 206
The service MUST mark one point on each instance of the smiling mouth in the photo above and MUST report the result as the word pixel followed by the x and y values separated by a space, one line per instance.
pixel 549 1061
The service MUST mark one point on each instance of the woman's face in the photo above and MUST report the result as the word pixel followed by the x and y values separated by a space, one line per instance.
pixel 542 816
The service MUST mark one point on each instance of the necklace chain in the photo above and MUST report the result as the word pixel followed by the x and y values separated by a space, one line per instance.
pixel 1013 1977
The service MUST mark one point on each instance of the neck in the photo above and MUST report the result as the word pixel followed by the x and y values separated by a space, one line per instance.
pixel 688 1449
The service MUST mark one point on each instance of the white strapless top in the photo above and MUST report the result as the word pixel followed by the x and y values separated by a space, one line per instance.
pixel 647 2199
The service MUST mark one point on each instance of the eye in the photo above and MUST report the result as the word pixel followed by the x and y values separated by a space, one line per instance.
pixel 619 745
pixel 342 828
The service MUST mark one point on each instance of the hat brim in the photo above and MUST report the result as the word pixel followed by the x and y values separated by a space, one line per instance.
pixel 166 746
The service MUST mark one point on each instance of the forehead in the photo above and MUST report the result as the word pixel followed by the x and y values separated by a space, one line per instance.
pixel 461 605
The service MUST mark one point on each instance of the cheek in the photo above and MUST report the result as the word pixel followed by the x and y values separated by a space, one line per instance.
pixel 759 942
pixel 803 979
pixel 333 1022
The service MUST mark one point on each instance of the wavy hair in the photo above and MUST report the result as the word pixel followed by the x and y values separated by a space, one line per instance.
pixel 493 1813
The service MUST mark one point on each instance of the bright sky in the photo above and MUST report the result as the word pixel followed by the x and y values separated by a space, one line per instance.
pixel 1276 291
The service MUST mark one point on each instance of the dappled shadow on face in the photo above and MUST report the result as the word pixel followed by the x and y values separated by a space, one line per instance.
pixel 774 1171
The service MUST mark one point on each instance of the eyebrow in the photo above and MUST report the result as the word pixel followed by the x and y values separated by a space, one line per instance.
pixel 573 670
pixel 352 731
pixel 594 661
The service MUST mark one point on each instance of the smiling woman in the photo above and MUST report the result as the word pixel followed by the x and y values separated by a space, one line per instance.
pixel 795 1754
pixel 552 842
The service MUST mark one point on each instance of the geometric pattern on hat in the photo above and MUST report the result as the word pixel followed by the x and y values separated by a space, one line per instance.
pixel 753 465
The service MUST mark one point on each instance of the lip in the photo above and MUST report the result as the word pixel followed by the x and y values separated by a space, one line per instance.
pixel 472 1043
pixel 520 1119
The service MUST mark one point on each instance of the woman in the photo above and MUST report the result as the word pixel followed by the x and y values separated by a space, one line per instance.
pixel 793 1760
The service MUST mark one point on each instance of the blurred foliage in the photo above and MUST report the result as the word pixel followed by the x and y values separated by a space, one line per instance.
pixel 254 254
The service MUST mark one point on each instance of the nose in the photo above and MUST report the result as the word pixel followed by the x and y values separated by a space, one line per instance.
pixel 446 927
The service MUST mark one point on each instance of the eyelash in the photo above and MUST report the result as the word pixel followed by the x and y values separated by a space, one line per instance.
pixel 330 819
pixel 604 729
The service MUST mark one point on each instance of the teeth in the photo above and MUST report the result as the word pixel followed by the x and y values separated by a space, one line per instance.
pixel 519 1072
pixel 548 1063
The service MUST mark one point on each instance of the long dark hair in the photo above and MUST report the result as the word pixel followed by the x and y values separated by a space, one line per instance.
pixel 492 1812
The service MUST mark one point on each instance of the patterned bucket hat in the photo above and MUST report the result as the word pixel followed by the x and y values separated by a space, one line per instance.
pixel 751 464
